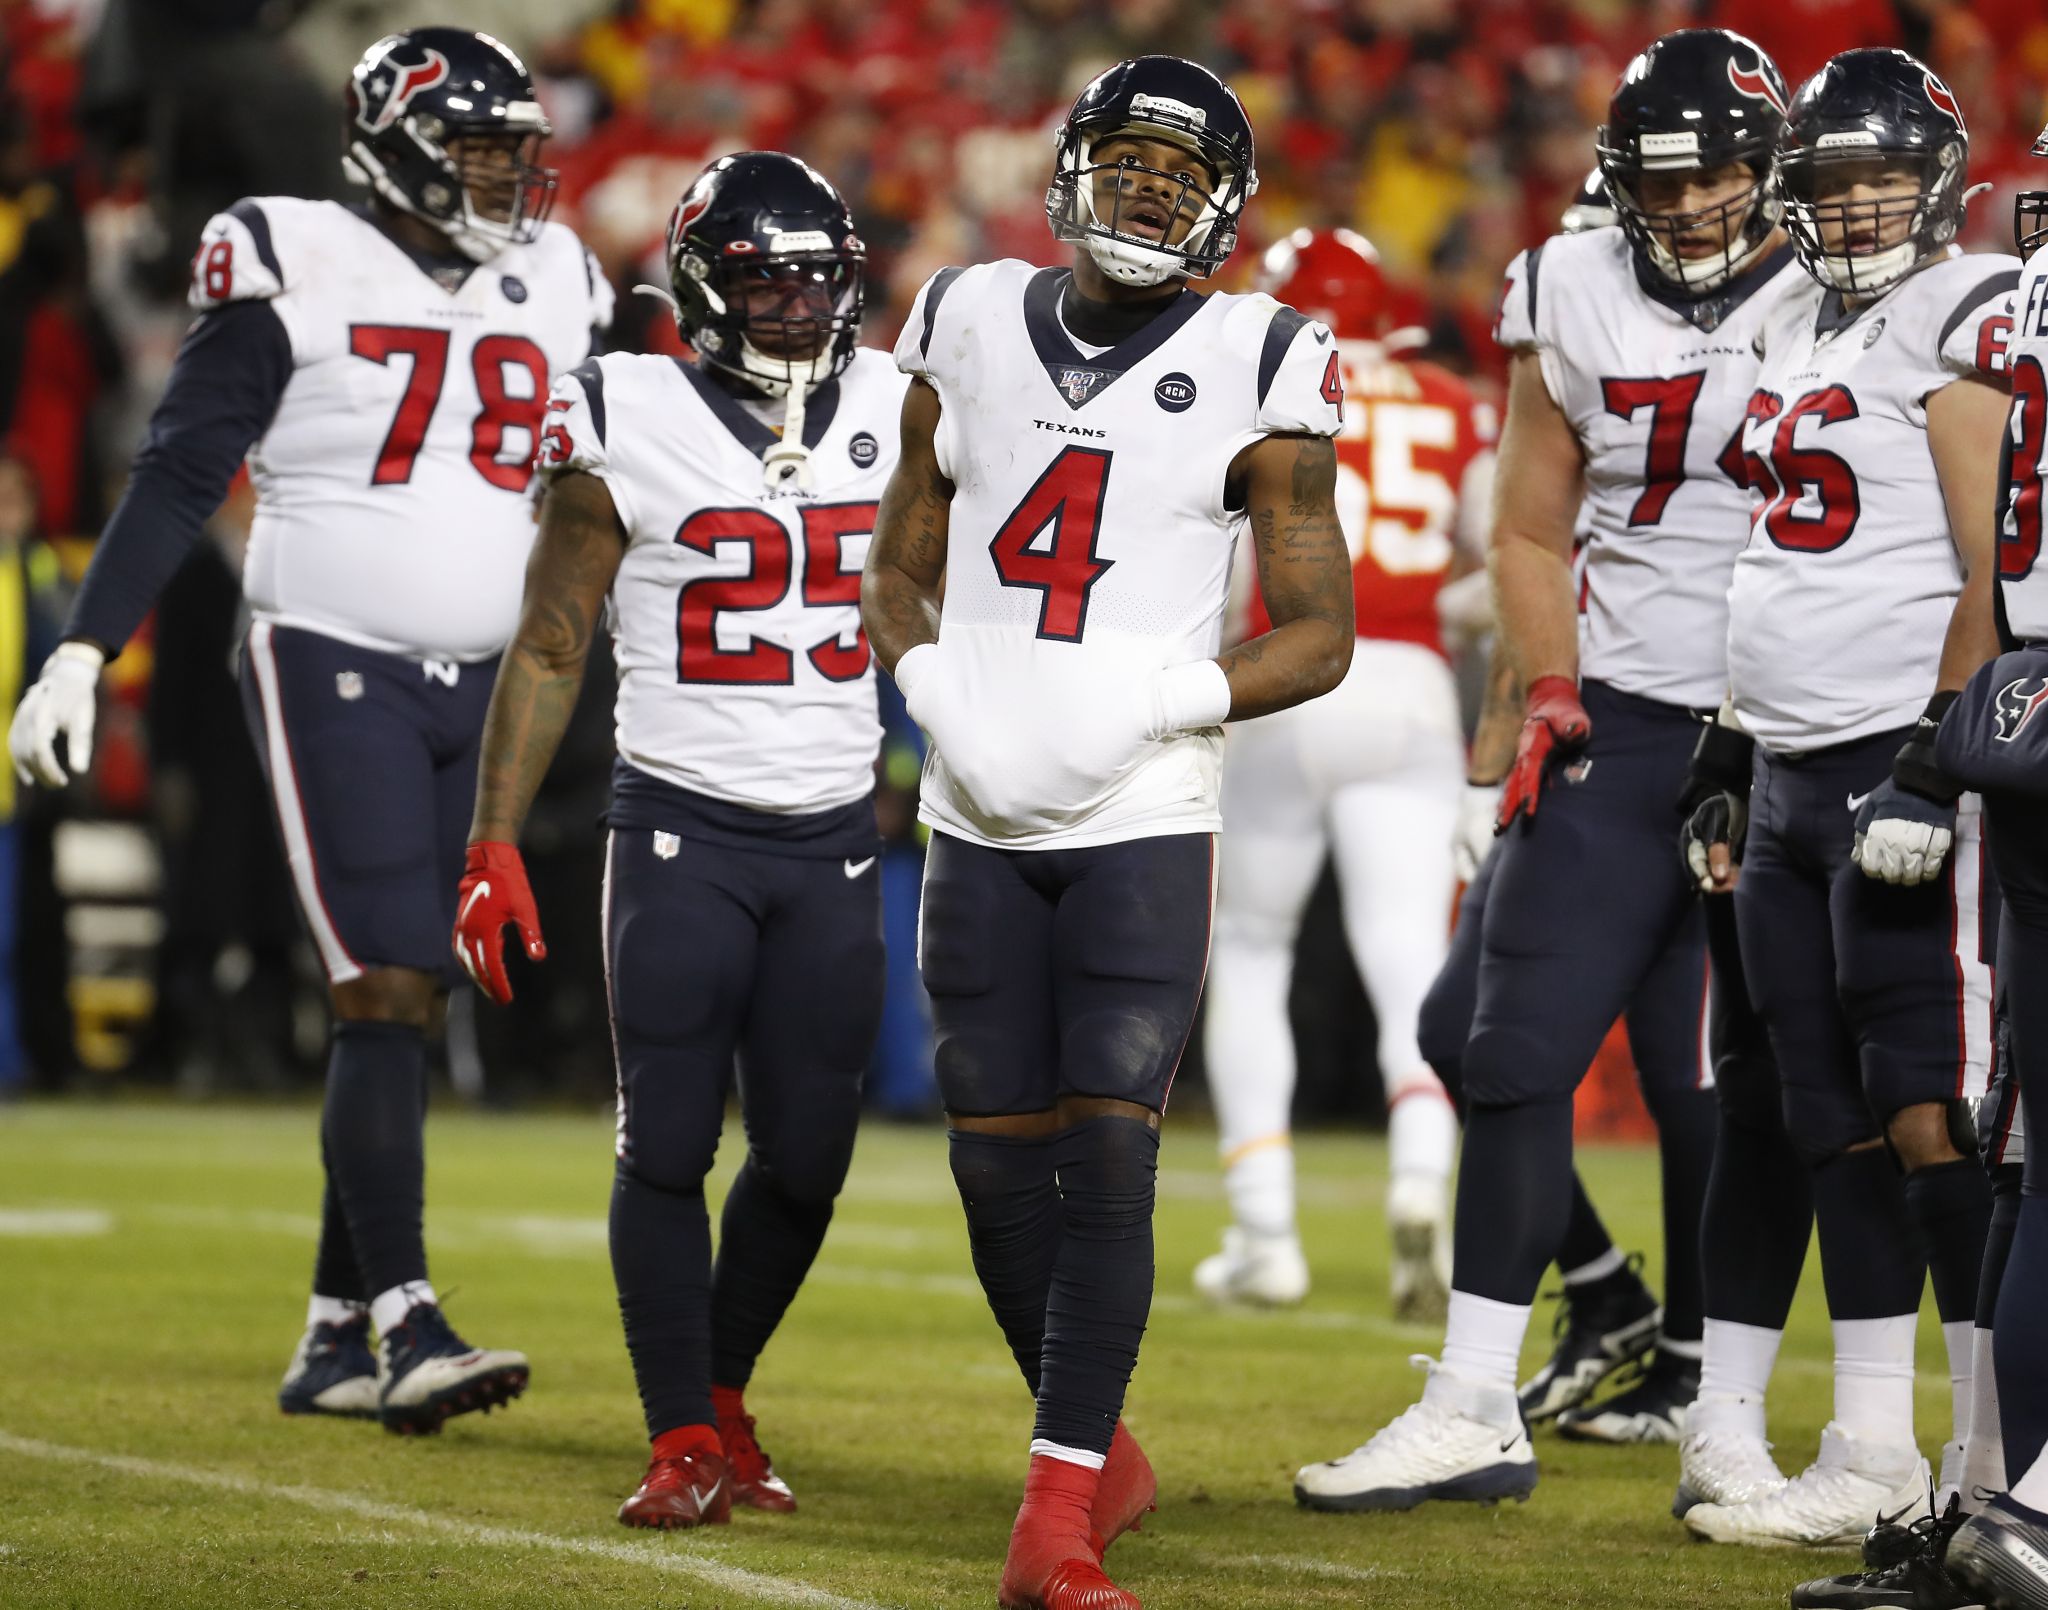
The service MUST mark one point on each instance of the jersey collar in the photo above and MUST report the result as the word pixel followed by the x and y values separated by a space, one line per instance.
pixel 1708 313
pixel 450 270
pixel 1080 379
pixel 748 431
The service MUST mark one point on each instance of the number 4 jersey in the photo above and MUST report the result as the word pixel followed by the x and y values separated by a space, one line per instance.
pixel 744 675
pixel 394 505
pixel 1843 595
pixel 1091 535
pixel 1654 391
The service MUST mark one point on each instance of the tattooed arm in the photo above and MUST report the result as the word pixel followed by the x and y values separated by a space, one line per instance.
pixel 578 553
pixel 1288 484
pixel 899 587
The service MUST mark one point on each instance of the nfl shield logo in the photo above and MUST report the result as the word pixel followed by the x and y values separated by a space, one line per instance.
pixel 1079 384
pixel 349 684
pixel 666 845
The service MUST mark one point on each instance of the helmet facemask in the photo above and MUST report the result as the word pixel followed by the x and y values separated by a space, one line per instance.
pixel 482 186
pixel 1861 247
pixel 783 323
pixel 2030 211
pixel 1134 244
pixel 1735 230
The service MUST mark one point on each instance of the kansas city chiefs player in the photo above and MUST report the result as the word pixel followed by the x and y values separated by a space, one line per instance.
pixel 1372 772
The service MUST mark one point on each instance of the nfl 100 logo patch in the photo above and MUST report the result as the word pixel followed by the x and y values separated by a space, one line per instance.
pixel 1079 384
pixel 349 685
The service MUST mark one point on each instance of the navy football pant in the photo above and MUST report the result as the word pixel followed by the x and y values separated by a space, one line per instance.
pixel 1586 912
pixel 716 955
pixel 371 760
pixel 1064 973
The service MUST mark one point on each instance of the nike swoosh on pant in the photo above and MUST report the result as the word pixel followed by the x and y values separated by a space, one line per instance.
pixel 854 869
pixel 1858 801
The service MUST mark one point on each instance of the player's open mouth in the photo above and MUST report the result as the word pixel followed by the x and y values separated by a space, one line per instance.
pixel 1146 219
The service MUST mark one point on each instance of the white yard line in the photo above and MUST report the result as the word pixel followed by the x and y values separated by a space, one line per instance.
pixel 55 1221
pixel 726 1578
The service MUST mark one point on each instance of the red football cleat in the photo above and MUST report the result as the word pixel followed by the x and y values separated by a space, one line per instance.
pixel 1052 1563
pixel 1125 1494
pixel 752 1475
pixel 686 1484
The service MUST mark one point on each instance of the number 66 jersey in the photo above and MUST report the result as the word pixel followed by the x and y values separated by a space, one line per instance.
pixel 394 481
pixel 744 675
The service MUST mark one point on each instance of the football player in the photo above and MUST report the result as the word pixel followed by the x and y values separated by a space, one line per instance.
pixel 1371 773
pixel 1631 369
pixel 1995 740
pixel 1081 450
pixel 383 367
pixel 1863 595
pixel 723 507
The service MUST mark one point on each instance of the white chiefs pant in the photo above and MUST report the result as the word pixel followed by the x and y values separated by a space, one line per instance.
pixel 1371 774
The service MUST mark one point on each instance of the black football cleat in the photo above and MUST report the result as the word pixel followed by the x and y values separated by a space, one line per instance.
pixel 2002 1555
pixel 430 1374
pixel 1652 1410
pixel 1920 1580
pixel 332 1372
pixel 1600 1328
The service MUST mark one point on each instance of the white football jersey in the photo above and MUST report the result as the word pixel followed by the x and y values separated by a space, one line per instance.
pixel 393 485
pixel 1655 393
pixel 1843 593
pixel 2022 576
pixel 1089 541
pixel 744 674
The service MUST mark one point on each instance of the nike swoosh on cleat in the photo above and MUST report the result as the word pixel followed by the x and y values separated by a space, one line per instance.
pixel 854 869
pixel 1892 1520
pixel 1857 801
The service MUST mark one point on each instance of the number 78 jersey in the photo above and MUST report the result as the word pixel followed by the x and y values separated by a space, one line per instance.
pixel 1655 394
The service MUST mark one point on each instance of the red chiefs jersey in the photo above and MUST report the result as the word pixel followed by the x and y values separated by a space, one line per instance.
pixel 1412 432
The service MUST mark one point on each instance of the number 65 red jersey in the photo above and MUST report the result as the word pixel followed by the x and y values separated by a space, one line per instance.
pixel 394 483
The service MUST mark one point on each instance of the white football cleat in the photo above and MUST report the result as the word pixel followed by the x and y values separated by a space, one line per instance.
pixel 1267 1271
pixel 1462 1441
pixel 1419 1215
pixel 1830 1504
pixel 1724 1467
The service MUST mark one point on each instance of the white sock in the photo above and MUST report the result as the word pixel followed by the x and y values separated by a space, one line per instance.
pixel 1735 1371
pixel 1596 1269
pixel 1259 1182
pixel 333 1311
pixel 1874 1379
pixel 1483 1339
pixel 1422 1128
pixel 1984 1453
pixel 1066 1455
pixel 1960 1337
pixel 389 1308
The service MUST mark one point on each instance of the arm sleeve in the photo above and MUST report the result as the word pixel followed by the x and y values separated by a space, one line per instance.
pixel 1301 385
pixel 224 390
pixel 577 434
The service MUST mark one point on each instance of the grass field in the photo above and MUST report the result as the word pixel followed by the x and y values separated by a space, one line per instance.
pixel 153 1267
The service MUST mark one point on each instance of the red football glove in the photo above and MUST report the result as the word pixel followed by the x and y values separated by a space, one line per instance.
pixel 493 893
pixel 1555 720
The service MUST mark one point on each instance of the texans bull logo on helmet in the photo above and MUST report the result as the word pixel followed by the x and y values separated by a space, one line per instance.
pixel 1756 84
pixel 1944 102
pixel 2018 703
pixel 393 86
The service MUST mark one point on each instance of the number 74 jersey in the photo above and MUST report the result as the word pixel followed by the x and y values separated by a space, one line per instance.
pixel 1655 393
pixel 394 481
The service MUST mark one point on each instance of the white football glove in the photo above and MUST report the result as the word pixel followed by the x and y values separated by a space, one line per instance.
pixel 64 700
pixel 1472 838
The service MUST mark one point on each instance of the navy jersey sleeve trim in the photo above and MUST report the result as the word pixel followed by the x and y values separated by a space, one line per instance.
pixel 1280 336
pixel 942 282
pixel 590 376
pixel 224 389
pixel 1983 291
pixel 250 217
pixel 1535 263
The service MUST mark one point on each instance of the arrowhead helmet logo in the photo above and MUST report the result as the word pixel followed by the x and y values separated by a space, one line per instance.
pixel 2018 701
pixel 1756 84
pixel 1944 102
pixel 406 80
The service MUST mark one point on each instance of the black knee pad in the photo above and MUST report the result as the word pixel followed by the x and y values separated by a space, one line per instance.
pixel 1108 1174
pixel 664 1143
pixel 1746 1089
pixel 1826 1123
pixel 809 1167
pixel 1512 1067
pixel 1441 1029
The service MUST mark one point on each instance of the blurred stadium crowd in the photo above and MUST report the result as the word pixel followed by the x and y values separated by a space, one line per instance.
pixel 150 930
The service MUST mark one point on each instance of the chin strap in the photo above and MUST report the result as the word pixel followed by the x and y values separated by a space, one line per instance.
pixel 786 467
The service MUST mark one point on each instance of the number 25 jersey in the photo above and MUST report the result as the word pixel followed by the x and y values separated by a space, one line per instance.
pixel 394 503
pixel 1089 539
pixel 1654 391
pixel 1842 597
